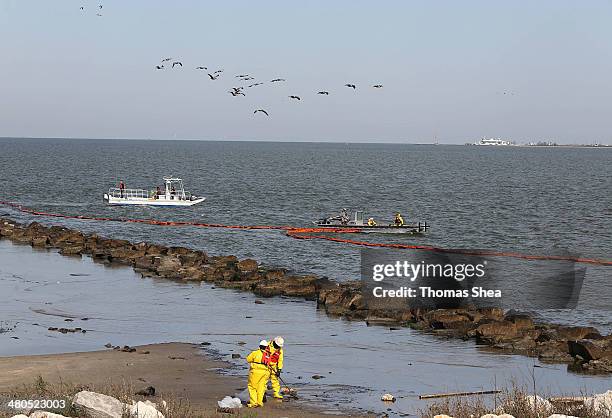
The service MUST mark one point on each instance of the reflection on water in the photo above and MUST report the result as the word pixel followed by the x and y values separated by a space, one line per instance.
pixel 40 289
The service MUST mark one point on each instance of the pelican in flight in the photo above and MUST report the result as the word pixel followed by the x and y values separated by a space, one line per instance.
pixel 201 68
pixel 159 67
pixel 262 111
pixel 377 86
pixel 277 79
pixel 351 86
pixel 295 97
pixel 213 77
pixel 324 92
pixel 177 63
pixel 167 59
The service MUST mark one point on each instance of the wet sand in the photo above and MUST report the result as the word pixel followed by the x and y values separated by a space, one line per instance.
pixel 172 368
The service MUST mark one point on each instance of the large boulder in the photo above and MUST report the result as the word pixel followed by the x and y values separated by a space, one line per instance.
pixel 96 405
pixel 45 414
pixel 247 266
pixel 591 349
pixel 146 409
pixel 495 331
pixel 167 265
pixel 520 321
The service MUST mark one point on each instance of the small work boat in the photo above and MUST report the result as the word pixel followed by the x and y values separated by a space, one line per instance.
pixel 172 194
pixel 358 223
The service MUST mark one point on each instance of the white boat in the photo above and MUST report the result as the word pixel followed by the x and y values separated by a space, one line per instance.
pixel 172 194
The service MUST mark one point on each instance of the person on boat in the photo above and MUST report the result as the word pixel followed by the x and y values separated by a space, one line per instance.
pixel 259 373
pixel 158 192
pixel 172 192
pixel 344 218
pixel 121 187
pixel 399 221
pixel 274 358
pixel 371 222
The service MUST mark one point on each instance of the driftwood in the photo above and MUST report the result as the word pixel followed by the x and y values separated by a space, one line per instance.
pixel 444 395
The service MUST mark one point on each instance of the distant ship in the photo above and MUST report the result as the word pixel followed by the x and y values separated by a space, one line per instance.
pixel 493 141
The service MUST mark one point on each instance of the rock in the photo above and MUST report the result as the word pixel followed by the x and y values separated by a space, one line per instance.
pixel 127 349
pixel 495 331
pixel 97 405
pixel 317 377
pixel 575 333
pixel 44 414
pixel 108 345
pixel 590 349
pixel 521 321
pixel 20 416
pixel 167 265
pixel 387 397
pixel 442 416
pixel 148 391
pixel 235 355
pixel 259 302
pixel 247 266
pixel 146 409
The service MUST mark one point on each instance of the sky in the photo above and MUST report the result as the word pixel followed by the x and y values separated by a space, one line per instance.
pixel 444 65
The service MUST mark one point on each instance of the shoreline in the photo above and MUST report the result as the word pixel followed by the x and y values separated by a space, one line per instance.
pixel 181 371
pixel 584 348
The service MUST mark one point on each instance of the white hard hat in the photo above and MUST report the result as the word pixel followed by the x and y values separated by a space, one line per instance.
pixel 263 343
pixel 280 341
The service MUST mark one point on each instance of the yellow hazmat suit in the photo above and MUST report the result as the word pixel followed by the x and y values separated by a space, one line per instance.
pixel 275 366
pixel 258 378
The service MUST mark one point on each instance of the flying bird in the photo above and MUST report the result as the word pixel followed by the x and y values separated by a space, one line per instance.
pixel 82 8
pixel 177 63
pixel 167 59
pixel 262 111
pixel 295 97
pixel 253 85
pixel 236 93
pixel 323 92
pixel 351 86
pixel 377 86
pixel 218 72
pixel 100 6
pixel 201 68
pixel 242 75
pixel 277 79
pixel 159 67
pixel 213 77
pixel 98 14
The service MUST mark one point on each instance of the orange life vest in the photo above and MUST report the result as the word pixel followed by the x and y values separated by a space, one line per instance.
pixel 270 358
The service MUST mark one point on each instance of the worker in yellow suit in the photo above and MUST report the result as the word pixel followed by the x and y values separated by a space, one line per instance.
pixel 275 364
pixel 399 221
pixel 259 373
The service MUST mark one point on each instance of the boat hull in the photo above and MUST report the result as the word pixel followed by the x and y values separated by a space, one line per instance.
pixel 117 201
pixel 379 229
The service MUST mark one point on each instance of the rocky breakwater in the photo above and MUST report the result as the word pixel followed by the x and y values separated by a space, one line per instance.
pixel 584 348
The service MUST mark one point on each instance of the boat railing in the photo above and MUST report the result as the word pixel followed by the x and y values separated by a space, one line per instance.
pixel 117 193
pixel 128 193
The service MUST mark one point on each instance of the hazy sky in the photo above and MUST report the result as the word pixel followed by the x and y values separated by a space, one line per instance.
pixel 444 64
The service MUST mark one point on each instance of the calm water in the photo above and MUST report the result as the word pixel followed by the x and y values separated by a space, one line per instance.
pixel 39 289
pixel 521 199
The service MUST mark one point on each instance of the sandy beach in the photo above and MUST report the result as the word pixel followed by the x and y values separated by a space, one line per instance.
pixel 175 369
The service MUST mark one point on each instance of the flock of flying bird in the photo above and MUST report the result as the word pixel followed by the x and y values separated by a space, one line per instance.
pixel 169 62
